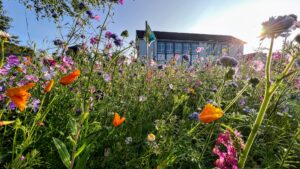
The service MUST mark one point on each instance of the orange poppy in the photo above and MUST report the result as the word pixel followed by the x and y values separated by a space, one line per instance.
pixel 19 95
pixel 70 78
pixel 49 86
pixel 210 113
pixel 4 123
pixel 118 120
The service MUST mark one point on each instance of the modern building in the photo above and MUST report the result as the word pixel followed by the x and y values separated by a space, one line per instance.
pixel 169 44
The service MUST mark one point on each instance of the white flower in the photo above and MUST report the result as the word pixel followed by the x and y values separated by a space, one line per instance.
pixel 128 140
pixel 4 35
pixel 142 98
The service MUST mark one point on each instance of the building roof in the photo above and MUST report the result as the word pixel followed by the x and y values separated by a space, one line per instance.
pixel 190 36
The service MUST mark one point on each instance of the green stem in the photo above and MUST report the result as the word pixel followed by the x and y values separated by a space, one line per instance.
pixel 2 53
pixel 290 147
pixel 14 144
pixel 262 111
pixel 236 98
pixel 208 140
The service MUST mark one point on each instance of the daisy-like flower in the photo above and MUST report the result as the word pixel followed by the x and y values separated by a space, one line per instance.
pixel 258 65
pixel 118 120
pixel 19 95
pixel 199 49
pixel 210 113
pixel 66 80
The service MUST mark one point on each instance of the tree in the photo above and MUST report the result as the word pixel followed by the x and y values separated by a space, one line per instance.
pixel 5 23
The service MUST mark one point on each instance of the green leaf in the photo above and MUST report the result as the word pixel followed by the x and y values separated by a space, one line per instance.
pixel 81 162
pixel 80 150
pixel 62 151
pixel 72 126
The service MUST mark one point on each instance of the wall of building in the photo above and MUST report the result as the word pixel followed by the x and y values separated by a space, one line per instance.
pixel 211 50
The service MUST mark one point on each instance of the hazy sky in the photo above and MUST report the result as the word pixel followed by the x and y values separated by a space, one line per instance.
pixel 239 18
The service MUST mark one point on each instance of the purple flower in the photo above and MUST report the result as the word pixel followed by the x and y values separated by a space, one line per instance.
pixel 12 60
pixel 58 42
pixel 90 14
pixel 11 106
pixel 108 35
pixel 81 6
pixel 114 36
pixel 107 77
pixel 228 61
pixel 121 2
pixel 4 70
pixel 276 56
pixel 31 78
pixel 194 116
pixel 36 104
pixel 186 57
pixel 118 42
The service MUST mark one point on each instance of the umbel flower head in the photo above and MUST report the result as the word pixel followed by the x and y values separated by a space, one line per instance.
pixel 19 95
pixel 70 78
pixel 210 113
pixel 277 26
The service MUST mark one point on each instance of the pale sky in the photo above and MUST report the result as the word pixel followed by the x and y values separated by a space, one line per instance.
pixel 239 18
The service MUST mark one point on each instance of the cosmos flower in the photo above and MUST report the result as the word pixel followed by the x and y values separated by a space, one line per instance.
pixel 70 78
pixel 199 49
pixel 94 40
pixel 121 2
pixel 210 113
pixel 97 17
pixel 19 95
pixel 276 26
pixel 118 42
pixel 151 137
pixel 258 65
pixel 49 86
pixel 118 120
pixel 108 34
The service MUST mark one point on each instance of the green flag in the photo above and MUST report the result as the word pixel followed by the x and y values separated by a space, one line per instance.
pixel 149 35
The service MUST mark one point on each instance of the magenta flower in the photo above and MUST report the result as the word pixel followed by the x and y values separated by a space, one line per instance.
pixel 258 65
pixel 1 97
pixel 94 40
pixel 22 158
pixel 121 2
pixel 276 56
pixel 108 34
pixel 226 158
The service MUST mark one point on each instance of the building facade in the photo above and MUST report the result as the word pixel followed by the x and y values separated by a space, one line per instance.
pixel 169 44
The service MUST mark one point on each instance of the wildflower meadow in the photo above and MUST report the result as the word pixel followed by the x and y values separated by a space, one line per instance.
pixel 92 102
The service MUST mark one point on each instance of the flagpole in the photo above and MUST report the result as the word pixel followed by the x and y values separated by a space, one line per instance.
pixel 146 40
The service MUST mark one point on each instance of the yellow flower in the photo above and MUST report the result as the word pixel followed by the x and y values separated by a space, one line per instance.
pixel 151 137
pixel 19 95
pixel 210 113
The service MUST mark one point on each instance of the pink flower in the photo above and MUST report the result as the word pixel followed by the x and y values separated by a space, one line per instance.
pixel 32 78
pixel 97 17
pixel 258 65
pixel 199 49
pixel 276 56
pixel 121 2
pixel 94 40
